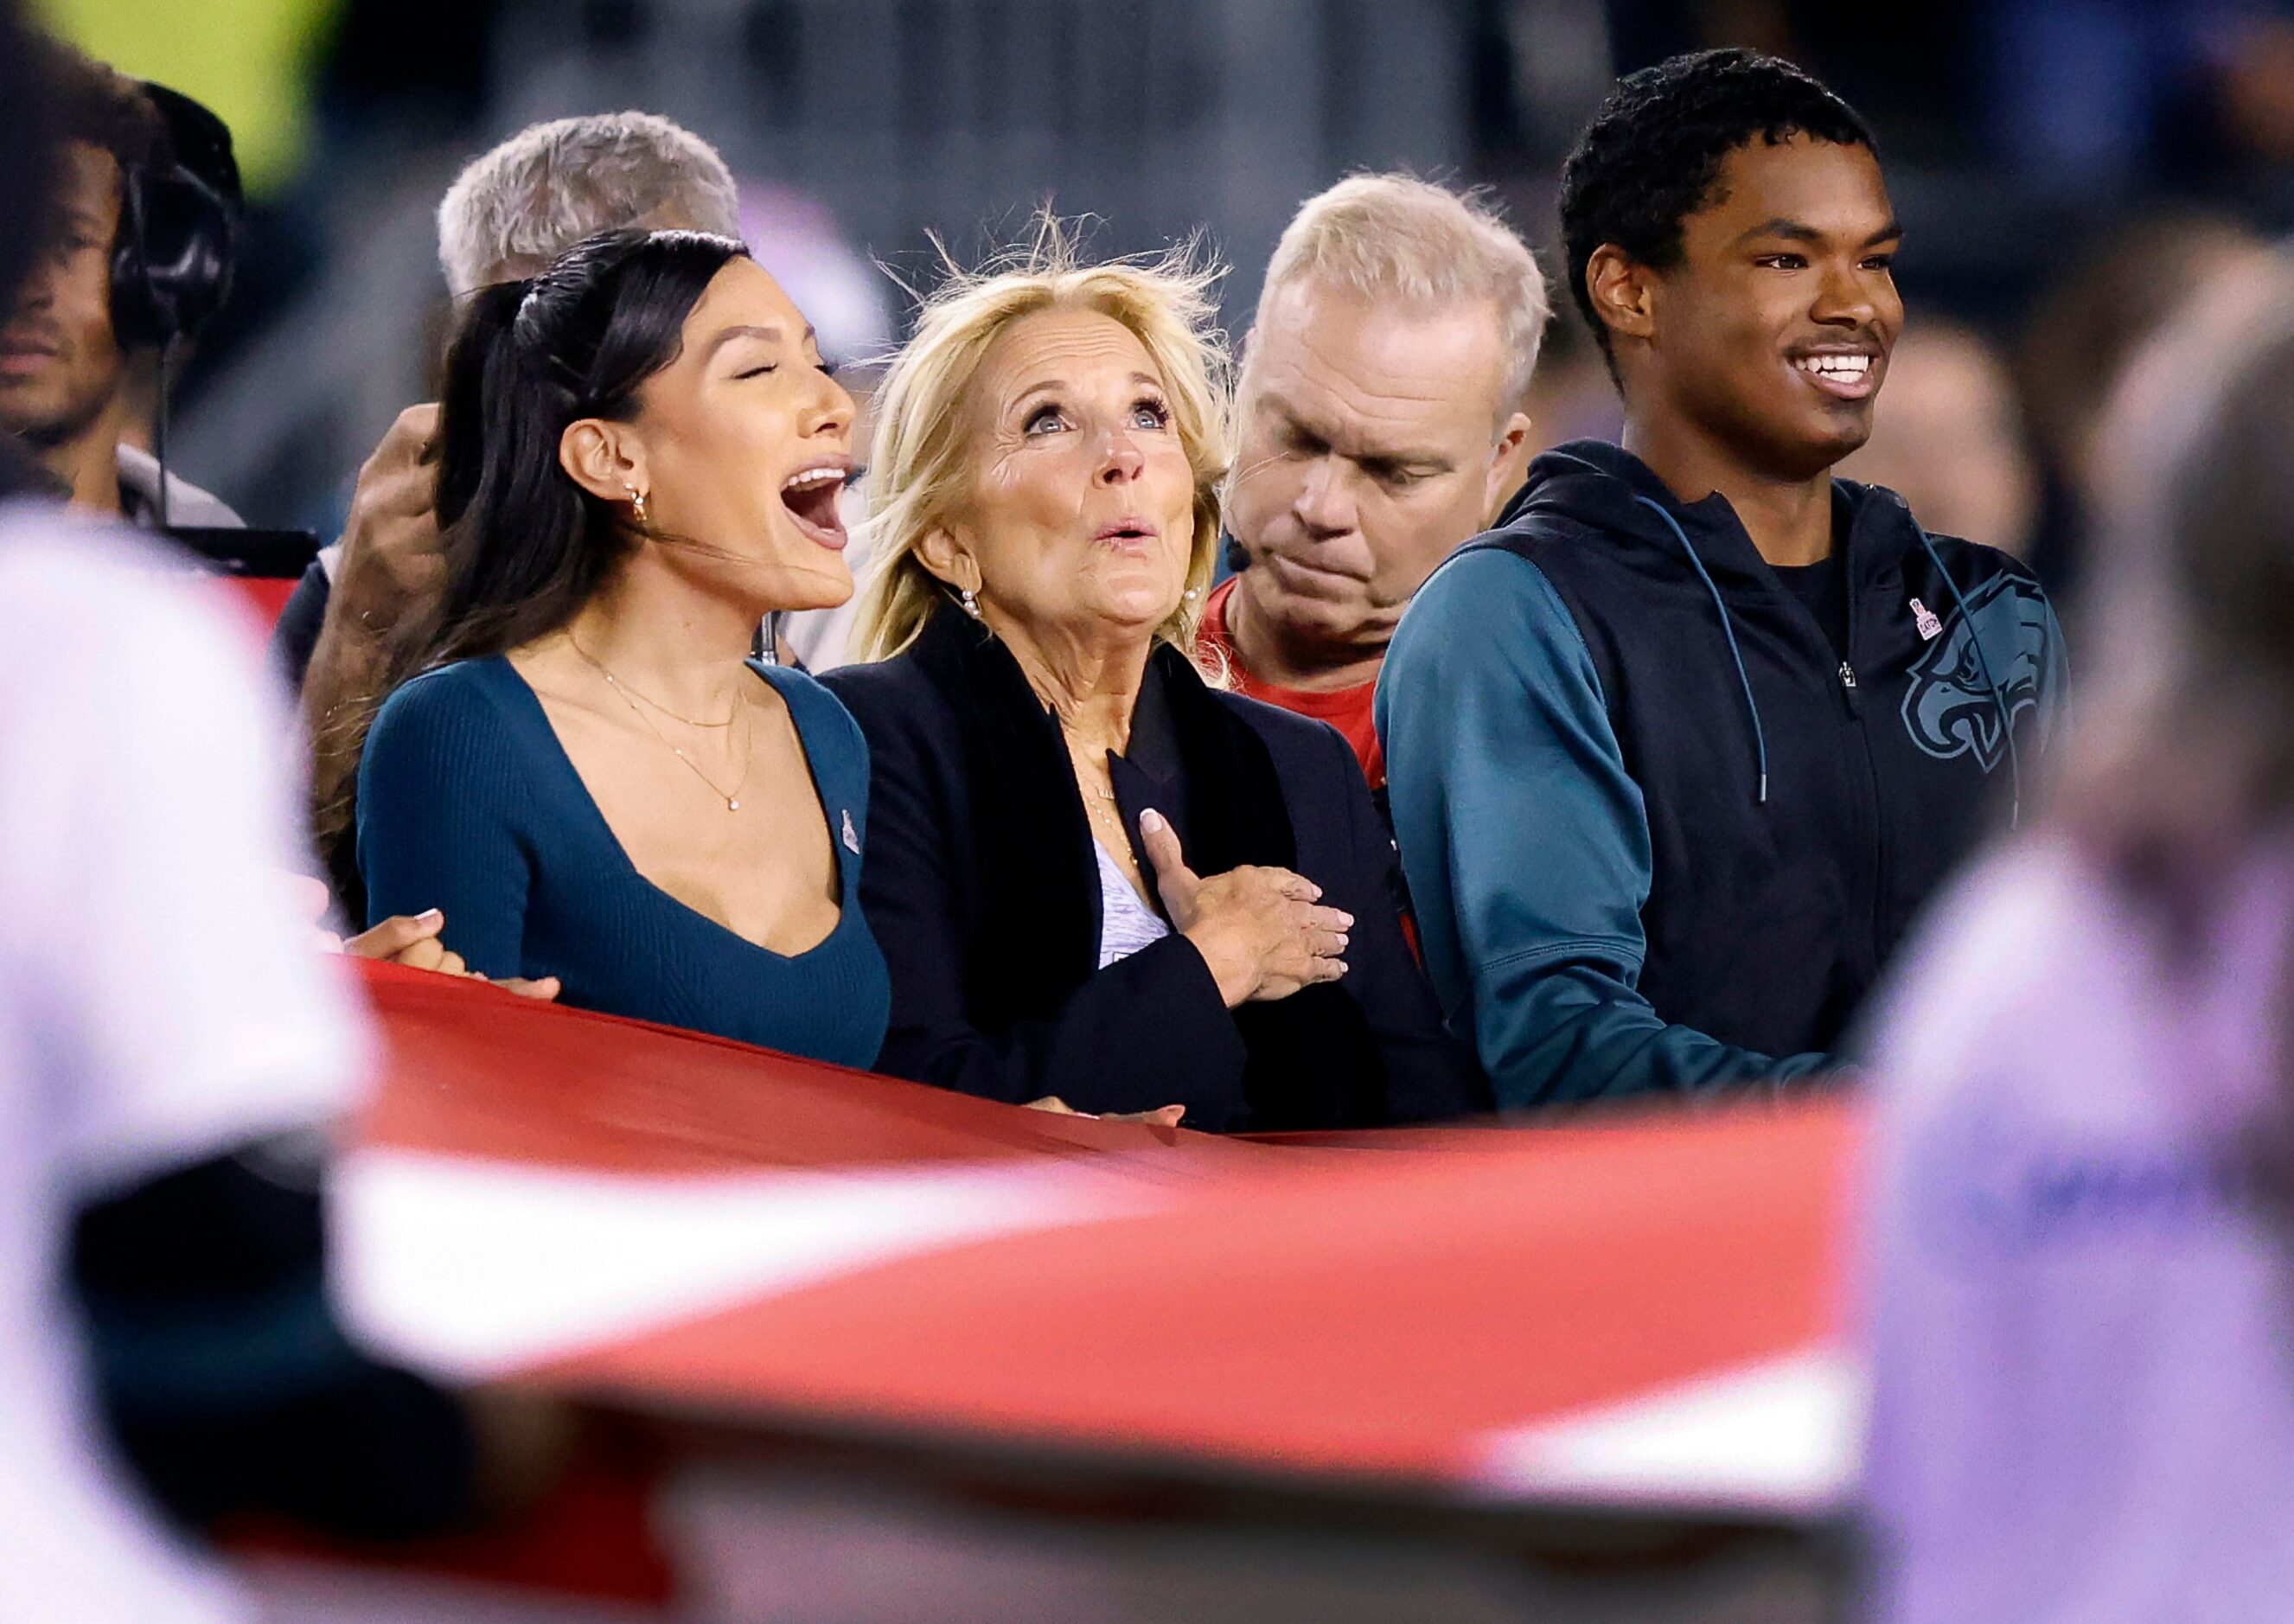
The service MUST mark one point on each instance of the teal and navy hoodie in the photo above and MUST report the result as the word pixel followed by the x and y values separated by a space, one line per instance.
pixel 1657 834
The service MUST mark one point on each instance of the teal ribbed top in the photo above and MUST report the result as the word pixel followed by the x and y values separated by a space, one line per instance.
pixel 467 803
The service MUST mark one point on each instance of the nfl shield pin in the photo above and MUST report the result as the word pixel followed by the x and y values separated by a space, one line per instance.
pixel 852 835
pixel 1924 618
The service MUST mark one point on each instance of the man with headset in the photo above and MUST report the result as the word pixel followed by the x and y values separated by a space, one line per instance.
pixel 147 210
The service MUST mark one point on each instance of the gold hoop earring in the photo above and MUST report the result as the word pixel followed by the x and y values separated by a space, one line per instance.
pixel 637 504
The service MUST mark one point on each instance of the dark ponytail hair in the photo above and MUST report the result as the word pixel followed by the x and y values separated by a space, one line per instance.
pixel 525 547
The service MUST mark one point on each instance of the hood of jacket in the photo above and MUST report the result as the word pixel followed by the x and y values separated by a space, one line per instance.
pixel 1603 489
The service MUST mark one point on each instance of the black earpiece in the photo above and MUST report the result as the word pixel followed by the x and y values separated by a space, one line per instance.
pixel 171 266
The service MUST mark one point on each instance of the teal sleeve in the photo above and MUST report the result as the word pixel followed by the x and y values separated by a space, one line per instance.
pixel 1525 846
pixel 439 788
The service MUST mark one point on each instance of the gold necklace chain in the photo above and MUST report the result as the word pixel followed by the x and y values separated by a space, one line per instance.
pixel 1101 808
pixel 732 800
pixel 627 693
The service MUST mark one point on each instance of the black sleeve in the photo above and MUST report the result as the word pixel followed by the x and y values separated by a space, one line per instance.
pixel 1147 1031
pixel 295 634
pixel 1430 1076
pixel 227 1381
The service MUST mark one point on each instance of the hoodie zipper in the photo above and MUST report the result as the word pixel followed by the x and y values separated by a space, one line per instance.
pixel 1869 955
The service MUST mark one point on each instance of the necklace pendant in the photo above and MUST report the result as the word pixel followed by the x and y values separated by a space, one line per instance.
pixel 732 805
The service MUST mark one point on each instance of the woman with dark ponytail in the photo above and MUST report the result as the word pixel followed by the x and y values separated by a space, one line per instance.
pixel 640 456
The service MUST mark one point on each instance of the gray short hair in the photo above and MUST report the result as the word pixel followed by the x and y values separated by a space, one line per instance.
pixel 517 207
pixel 1396 237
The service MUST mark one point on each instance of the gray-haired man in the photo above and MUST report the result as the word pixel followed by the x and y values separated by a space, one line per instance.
pixel 1382 410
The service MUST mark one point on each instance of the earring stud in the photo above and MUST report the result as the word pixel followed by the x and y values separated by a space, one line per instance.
pixel 970 600
pixel 637 504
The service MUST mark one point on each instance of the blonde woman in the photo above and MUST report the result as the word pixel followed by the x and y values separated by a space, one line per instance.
pixel 1096 878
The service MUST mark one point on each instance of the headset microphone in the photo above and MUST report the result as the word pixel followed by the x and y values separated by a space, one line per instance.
pixel 171 265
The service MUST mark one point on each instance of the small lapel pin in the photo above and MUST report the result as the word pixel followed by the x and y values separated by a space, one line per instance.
pixel 1924 618
pixel 852 835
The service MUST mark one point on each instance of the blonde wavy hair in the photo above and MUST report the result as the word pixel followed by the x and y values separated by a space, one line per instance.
pixel 919 464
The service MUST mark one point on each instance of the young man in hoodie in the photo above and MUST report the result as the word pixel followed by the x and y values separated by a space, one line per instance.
pixel 1678 750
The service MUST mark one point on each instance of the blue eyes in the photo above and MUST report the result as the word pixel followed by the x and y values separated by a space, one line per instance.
pixel 1145 413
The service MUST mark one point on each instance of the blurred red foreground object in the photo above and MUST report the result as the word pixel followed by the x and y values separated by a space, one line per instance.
pixel 1641 1312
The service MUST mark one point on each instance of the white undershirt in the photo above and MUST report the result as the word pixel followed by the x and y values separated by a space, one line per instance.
pixel 1126 923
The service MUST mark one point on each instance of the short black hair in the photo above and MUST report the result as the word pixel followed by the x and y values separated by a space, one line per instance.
pixel 1652 154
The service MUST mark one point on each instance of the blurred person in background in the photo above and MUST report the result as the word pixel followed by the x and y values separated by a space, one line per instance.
pixel 2082 1236
pixel 1679 750
pixel 1949 438
pixel 79 351
pixel 171 1053
pixel 1097 879
pixel 640 458
pixel 509 213
pixel 1381 427
pixel 2079 338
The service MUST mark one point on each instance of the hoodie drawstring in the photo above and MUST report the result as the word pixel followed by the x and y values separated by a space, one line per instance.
pixel 1983 664
pixel 1729 631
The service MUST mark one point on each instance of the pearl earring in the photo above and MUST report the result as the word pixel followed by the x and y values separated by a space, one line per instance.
pixel 637 504
pixel 970 600
pixel 1191 594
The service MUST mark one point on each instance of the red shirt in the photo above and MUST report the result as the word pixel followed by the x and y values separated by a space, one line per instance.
pixel 1346 709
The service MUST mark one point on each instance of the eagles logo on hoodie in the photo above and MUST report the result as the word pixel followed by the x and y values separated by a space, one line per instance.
pixel 1660 832
pixel 1949 706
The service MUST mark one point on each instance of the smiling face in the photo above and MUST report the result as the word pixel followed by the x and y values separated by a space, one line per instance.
pixel 1770 338
pixel 1376 439
pixel 1080 518
pixel 60 363
pixel 742 445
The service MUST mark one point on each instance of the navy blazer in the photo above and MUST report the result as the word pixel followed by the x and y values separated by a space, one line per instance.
pixel 1150 1030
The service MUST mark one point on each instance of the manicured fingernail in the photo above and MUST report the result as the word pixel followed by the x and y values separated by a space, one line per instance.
pixel 428 916
pixel 1150 821
pixel 1346 919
